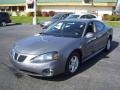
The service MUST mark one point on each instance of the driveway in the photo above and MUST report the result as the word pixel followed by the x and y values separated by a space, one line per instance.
pixel 99 73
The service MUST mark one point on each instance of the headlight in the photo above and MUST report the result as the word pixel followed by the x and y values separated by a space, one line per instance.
pixel 46 57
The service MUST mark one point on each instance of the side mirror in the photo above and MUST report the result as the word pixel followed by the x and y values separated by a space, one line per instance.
pixel 89 35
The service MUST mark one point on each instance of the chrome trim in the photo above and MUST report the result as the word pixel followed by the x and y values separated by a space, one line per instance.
pixel 28 57
pixel 93 55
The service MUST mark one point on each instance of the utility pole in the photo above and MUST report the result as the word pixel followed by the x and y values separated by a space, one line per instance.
pixel 31 6
pixel 35 13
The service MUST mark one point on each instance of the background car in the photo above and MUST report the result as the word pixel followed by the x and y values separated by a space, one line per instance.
pixel 61 48
pixel 84 16
pixel 4 18
pixel 55 18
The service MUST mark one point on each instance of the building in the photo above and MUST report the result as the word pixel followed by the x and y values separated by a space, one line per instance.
pixel 99 7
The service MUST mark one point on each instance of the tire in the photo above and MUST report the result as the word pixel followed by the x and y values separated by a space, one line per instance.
pixel 73 64
pixel 3 24
pixel 108 45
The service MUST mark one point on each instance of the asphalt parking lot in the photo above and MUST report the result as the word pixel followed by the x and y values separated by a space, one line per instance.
pixel 99 73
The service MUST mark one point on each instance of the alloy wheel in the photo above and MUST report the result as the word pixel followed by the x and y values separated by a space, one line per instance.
pixel 108 46
pixel 73 64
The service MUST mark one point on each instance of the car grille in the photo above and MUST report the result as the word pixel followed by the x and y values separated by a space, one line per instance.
pixel 19 58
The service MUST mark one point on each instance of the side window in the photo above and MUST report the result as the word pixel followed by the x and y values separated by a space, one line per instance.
pixel 63 17
pixel 92 16
pixel 99 26
pixel 84 16
pixel 90 28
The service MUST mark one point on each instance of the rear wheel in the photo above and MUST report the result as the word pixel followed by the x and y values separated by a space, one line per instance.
pixel 73 64
pixel 108 45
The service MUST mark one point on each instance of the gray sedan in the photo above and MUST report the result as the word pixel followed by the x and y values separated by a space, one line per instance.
pixel 61 48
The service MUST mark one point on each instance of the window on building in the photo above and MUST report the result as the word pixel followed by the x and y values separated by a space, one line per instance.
pixel 14 8
pixel 21 8
pixel 31 6
pixel 8 8
pixel 87 1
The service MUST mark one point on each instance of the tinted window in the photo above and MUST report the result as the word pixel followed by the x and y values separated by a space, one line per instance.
pixel 99 26
pixel 64 16
pixel 88 16
pixel 72 17
pixel 90 28
pixel 84 16
pixel 57 16
pixel 66 29
pixel 92 16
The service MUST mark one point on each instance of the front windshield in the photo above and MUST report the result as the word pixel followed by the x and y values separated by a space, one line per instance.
pixel 72 17
pixel 66 29
pixel 57 16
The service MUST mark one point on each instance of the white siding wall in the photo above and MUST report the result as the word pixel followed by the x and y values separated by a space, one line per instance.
pixel 58 8
pixel 78 9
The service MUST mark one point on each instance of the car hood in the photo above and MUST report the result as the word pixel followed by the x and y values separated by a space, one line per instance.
pixel 42 44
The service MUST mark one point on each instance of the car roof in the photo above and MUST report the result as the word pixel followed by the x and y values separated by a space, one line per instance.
pixel 83 14
pixel 81 20
pixel 62 13
pixel 75 14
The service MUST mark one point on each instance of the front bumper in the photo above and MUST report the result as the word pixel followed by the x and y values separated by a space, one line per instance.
pixel 45 69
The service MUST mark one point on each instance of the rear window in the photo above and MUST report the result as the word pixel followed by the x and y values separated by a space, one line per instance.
pixel 57 16
pixel 88 16
pixel 72 17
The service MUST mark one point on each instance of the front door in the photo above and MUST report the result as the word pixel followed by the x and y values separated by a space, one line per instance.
pixel 89 45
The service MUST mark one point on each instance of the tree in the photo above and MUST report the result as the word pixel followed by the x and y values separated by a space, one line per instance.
pixel 117 10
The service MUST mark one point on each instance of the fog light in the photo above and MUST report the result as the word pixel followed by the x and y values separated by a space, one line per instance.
pixel 48 72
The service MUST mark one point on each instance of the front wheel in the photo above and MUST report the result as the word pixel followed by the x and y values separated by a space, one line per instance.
pixel 3 24
pixel 73 64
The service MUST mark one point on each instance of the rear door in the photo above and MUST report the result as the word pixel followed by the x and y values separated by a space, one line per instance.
pixel 101 35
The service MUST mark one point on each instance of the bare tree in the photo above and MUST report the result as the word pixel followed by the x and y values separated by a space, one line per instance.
pixel 117 10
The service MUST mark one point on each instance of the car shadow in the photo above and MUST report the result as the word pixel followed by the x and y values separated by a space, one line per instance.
pixel 12 24
pixel 84 66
